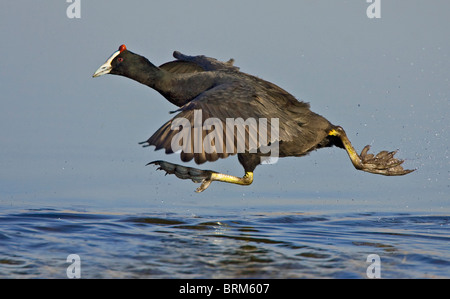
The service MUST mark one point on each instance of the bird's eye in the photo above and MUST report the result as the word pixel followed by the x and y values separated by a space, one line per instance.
pixel 120 59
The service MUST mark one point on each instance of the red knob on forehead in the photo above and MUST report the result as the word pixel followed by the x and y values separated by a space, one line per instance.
pixel 122 48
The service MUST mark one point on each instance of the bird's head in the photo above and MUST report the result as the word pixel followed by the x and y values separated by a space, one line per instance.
pixel 116 63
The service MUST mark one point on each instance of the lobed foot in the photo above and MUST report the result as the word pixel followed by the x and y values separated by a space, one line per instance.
pixel 184 172
pixel 383 163
pixel 205 177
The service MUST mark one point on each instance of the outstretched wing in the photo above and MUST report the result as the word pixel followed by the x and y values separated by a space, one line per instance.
pixel 193 64
pixel 231 118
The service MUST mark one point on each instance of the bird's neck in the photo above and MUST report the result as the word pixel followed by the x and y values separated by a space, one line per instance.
pixel 145 72
pixel 180 89
pixel 176 88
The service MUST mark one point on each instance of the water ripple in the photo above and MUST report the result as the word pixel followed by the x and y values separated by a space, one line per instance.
pixel 36 243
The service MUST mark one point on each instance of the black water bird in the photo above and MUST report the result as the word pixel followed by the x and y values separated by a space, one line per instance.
pixel 219 91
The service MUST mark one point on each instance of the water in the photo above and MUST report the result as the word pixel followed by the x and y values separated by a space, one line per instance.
pixel 228 243
pixel 73 180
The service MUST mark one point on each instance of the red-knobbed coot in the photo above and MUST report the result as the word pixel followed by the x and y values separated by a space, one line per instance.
pixel 223 112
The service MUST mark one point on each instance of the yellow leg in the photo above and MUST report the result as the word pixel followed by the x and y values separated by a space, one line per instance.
pixel 354 157
pixel 206 177
pixel 383 163
pixel 247 179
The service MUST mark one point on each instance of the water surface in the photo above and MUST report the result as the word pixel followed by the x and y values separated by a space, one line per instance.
pixel 244 244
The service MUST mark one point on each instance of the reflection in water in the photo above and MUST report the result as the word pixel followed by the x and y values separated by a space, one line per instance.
pixel 35 243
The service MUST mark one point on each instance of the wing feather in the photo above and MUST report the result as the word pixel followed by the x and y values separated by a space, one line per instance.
pixel 226 101
pixel 194 64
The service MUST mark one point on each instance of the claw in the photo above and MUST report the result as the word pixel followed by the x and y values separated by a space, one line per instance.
pixel 365 150
pixel 383 163
pixel 205 184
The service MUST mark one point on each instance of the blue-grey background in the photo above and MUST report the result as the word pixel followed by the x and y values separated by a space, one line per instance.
pixel 73 178
pixel 69 140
